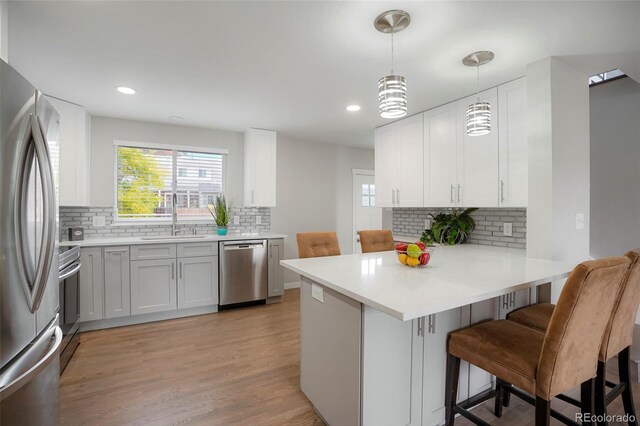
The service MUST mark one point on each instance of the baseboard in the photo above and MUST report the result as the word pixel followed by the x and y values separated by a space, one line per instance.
pixel 295 284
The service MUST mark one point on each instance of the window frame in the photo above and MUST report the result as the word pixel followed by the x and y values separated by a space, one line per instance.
pixel 117 221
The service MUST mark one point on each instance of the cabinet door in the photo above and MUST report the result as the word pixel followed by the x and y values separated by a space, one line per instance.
pixel 440 161
pixel 434 368
pixel 197 281
pixel 515 300
pixel 117 295
pixel 409 192
pixel 391 370
pixel 480 380
pixel 276 276
pixel 260 168
pixel 478 158
pixel 153 286
pixel 91 284
pixel 385 166
pixel 513 142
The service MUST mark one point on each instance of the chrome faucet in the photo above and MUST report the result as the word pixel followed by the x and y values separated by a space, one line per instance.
pixel 174 216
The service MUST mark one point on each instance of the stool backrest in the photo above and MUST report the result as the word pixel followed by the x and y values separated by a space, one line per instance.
pixel 619 333
pixel 572 342
pixel 376 240
pixel 317 244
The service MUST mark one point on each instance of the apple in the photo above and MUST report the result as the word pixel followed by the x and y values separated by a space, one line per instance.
pixel 424 258
pixel 421 245
pixel 401 246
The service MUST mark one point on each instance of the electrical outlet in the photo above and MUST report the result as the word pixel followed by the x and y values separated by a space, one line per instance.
pixel 98 221
pixel 258 220
pixel 236 220
pixel 427 224
pixel 507 229
pixel 579 221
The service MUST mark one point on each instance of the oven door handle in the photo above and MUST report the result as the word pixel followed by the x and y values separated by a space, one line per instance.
pixel 71 272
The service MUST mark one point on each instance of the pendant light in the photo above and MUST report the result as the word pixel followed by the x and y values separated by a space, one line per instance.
pixel 478 113
pixel 392 89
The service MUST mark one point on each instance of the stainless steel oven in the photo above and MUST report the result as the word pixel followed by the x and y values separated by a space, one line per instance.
pixel 69 302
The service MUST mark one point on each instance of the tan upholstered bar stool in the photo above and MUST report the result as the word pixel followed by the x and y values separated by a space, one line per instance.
pixel 617 339
pixel 317 244
pixel 543 364
pixel 376 240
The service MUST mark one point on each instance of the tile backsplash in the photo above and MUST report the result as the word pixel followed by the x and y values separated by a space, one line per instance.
pixel 83 216
pixel 410 222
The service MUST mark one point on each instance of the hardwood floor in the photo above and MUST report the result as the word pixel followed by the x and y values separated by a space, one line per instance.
pixel 235 367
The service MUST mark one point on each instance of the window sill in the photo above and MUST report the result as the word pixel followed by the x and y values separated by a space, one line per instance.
pixel 129 223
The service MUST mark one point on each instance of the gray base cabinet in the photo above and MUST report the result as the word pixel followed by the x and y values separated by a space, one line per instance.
pixel 276 273
pixel 197 281
pixel 117 296
pixel 91 284
pixel 153 286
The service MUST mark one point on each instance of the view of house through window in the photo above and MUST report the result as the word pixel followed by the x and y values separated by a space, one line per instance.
pixel 148 178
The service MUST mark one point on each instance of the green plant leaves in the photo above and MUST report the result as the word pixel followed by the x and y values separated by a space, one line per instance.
pixel 450 228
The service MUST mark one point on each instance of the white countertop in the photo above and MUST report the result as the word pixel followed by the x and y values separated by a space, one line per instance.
pixel 456 276
pixel 127 241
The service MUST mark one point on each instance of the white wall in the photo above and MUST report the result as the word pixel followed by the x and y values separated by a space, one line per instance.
pixel 615 167
pixel 4 31
pixel 314 187
pixel 105 130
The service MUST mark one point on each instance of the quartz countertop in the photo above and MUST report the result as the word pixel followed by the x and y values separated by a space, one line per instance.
pixel 456 276
pixel 165 239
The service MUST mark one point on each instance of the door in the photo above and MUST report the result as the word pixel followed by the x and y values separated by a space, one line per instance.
pixel 276 275
pixel 478 181
pixel 409 192
pixel 153 286
pixel 260 164
pixel 440 160
pixel 92 284
pixel 117 290
pixel 386 165
pixel 197 281
pixel 513 143
pixel 366 213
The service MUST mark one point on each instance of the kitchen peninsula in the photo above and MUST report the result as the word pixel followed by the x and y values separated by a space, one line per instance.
pixel 373 332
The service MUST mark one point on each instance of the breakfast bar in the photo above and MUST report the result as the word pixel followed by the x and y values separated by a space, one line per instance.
pixel 373 331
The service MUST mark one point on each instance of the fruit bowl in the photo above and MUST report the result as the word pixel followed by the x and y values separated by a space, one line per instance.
pixel 414 255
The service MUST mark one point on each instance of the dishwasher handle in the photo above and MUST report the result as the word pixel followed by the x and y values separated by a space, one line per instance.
pixel 245 245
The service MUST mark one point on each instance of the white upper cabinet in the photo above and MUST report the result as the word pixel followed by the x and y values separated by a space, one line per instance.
pixel 440 156
pixel 260 168
pixel 478 180
pixel 513 137
pixel 75 151
pixel 399 163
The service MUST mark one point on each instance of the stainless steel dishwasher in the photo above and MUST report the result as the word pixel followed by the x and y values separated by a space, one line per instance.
pixel 243 272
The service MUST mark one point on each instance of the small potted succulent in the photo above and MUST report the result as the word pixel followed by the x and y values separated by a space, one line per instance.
pixel 221 214
pixel 450 228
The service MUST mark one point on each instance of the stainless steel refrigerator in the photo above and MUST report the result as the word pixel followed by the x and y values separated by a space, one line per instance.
pixel 29 331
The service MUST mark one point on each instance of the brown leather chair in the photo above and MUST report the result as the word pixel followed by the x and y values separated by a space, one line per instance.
pixel 317 244
pixel 543 364
pixel 617 339
pixel 376 240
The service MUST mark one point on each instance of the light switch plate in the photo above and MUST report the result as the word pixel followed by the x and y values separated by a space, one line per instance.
pixel 579 221
pixel 507 229
pixel 317 293
pixel 98 221
pixel 258 220
pixel 236 220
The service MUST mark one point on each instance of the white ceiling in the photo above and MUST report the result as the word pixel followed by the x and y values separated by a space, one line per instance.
pixel 294 66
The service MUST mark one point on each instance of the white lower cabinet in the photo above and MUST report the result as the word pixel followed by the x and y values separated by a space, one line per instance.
pixel 197 281
pixel 91 284
pixel 117 297
pixel 153 286
pixel 512 301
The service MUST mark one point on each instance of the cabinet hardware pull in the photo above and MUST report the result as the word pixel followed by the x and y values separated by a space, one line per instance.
pixel 451 193
pixel 252 196
pixel 397 196
pixel 173 274
pixel 505 302
pixel 421 326
pixel 180 270
pixel 432 324
pixel 393 197
pixel 501 191
pixel 459 194
pixel 513 300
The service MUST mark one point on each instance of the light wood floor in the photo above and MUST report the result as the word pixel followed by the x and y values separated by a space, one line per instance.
pixel 235 367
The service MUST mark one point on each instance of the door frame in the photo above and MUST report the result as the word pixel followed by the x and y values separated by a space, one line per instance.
pixel 356 172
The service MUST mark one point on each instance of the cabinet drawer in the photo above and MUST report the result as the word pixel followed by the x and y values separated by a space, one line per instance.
pixel 153 251
pixel 198 249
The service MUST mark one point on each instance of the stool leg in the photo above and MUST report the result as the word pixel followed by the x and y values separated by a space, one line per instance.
pixel 497 410
pixel 543 412
pixel 627 395
pixel 506 398
pixel 587 401
pixel 451 388
pixel 601 392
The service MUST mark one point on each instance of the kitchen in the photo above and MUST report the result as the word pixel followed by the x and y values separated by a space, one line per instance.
pixel 219 110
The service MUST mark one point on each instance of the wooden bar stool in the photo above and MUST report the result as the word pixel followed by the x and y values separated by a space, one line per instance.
pixel 543 364
pixel 376 240
pixel 617 339
pixel 317 244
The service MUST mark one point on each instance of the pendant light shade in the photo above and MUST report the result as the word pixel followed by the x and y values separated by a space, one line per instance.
pixel 392 96
pixel 392 89
pixel 478 113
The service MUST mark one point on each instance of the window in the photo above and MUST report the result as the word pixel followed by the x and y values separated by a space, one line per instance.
pixel 148 178
pixel 368 195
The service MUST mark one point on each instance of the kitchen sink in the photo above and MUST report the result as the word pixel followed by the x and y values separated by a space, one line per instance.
pixel 175 237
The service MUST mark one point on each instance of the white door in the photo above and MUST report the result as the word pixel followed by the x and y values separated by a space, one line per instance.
pixel 440 160
pixel 366 214
pixel 386 159
pixel 409 191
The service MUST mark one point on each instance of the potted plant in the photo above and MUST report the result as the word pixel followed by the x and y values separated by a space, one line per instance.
pixel 221 214
pixel 450 228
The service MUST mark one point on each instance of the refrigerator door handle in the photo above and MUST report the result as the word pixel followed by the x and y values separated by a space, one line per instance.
pixel 20 372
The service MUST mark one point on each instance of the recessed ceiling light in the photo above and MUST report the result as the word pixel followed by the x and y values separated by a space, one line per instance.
pixel 176 118
pixel 126 90
pixel 353 108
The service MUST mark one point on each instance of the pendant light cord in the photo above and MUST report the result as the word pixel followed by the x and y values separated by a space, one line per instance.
pixel 478 75
pixel 392 51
